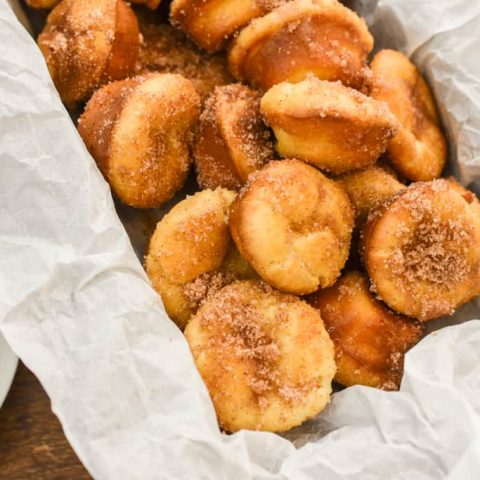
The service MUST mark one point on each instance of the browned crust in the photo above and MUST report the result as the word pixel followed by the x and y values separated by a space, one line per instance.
pixel 422 249
pixel 370 340
pixel 232 140
pixel 321 37
pixel 293 225
pixel 81 48
pixel 419 150
pixel 151 4
pixel 265 357
pixel 139 131
pixel 100 115
pixel 368 188
pixel 126 43
pixel 211 23
pixel 327 124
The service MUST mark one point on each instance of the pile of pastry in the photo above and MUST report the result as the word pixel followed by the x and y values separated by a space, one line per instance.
pixel 321 238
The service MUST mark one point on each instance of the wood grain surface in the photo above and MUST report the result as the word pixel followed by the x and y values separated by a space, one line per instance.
pixel 32 443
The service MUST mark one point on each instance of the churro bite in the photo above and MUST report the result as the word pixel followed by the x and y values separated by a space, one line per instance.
pixel 232 140
pixel 88 43
pixel 302 37
pixel 167 50
pixel 138 131
pixel 211 23
pixel 293 225
pixel 368 188
pixel 191 255
pixel 418 151
pixel 370 340
pixel 264 356
pixel 422 249
pixel 333 127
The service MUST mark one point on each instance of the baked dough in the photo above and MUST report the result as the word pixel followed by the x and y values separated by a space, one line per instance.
pixel 369 188
pixel 265 357
pixel 418 151
pixel 87 44
pixel 293 225
pixel 333 127
pixel 370 340
pixel 138 131
pixel 232 140
pixel 210 23
pixel 191 255
pixel 422 249
pixel 302 37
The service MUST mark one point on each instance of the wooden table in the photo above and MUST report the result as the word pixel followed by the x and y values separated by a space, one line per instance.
pixel 32 443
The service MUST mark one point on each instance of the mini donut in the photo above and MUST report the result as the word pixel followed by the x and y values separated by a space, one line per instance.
pixel 370 340
pixel 191 255
pixel 265 357
pixel 210 23
pixel 232 140
pixel 138 131
pixel 293 225
pixel 419 150
pixel 167 50
pixel 87 44
pixel 333 127
pixel 368 188
pixel 422 249
pixel 302 37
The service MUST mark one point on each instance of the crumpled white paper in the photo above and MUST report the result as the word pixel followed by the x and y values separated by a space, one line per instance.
pixel 76 306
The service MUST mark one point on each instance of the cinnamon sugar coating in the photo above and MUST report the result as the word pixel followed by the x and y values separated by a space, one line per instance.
pixel 370 340
pixel 369 188
pixel 333 127
pixel 138 130
pixel 232 140
pixel 211 23
pixel 265 357
pixel 87 43
pixel 418 151
pixel 167 50
pixel 422 249
pixel 191 255
pixel 302 37
pixel 293 225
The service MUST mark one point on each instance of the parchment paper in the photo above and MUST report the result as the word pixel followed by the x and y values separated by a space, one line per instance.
pixel 76 306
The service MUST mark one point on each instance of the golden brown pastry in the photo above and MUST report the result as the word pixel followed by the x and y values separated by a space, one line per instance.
pixel 42 4
pixel 265 357
pixel 191 255
pixel 210 23
pixel 418 151
pixel 232 140
pixel 293 225
pixel 167 50
pixel 319 37
pixel 87 43
pixel 138 131
pixel 422 249
pixel 151 4
pixel 331 126
pixel 370 340
pixel 368 188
